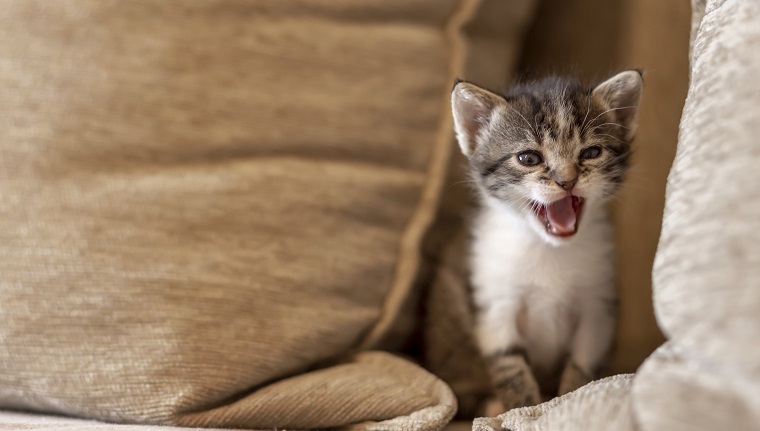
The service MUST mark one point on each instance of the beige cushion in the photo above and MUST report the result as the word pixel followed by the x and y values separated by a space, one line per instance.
pixel 39 422
pixel 202 200
pixel 707 270
pixel 599 406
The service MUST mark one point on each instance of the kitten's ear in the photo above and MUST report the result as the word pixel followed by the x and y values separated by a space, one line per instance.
pixel 621 94
pixel 472 107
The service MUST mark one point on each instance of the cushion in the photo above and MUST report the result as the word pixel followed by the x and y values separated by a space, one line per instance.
pixel 598 406
pixel 209 206
pixel 707 270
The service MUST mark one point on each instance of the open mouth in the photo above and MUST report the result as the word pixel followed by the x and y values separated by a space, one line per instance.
pixel 560 217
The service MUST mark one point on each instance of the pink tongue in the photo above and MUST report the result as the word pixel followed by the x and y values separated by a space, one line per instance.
pixel 562 215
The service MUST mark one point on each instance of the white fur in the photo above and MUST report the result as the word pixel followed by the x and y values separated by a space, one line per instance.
pixel 561 291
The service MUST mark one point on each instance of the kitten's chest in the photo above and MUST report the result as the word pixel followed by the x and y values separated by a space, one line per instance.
pixel 507 260
pixel 546 286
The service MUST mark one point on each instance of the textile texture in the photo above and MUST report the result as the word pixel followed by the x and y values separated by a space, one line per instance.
pixel 707 270
pixel 208 207
pixel 598 406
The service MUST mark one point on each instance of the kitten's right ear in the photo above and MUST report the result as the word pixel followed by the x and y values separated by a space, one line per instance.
pixel 622 94
pixel 472 107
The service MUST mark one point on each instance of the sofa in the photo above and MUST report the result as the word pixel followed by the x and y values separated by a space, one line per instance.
pixel 249 215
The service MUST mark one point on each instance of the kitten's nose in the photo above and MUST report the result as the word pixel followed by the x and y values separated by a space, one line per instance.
pixel 567 185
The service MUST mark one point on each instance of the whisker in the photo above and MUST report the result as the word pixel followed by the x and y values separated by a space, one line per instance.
pixel 527 209
pixel 610 136
pixel 463 182
pixel 522 203
pixel 534 206
pixel 609 110
pixel 588 109
pixel 528 133
pixel 608 124
pixel 535 133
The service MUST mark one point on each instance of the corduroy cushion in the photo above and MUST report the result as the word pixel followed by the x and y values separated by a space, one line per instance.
pixel 204 199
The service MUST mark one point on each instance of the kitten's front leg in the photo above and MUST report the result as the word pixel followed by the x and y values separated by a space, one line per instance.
pixel 501 345
pixel 513 380
pixel 591 344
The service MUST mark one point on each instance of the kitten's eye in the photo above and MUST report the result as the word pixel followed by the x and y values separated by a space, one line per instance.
pixel 529 158
pixel 591 153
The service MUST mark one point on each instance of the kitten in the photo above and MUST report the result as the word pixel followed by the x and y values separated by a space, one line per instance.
pixel 545 158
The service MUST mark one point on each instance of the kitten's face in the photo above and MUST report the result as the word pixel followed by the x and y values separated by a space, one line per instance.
pixel 549 150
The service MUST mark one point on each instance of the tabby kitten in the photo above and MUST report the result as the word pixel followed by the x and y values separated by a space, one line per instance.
pixel 545 158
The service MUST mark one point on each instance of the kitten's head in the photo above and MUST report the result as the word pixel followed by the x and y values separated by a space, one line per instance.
pixel 551 149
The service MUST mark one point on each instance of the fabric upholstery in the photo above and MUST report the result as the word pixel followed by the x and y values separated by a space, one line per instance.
pixel 599 406
pixel 40 422
pixel 209 206
pixel 707 270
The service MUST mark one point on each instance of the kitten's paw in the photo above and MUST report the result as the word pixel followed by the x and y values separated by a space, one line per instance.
pixel 572 378
pixel 514 382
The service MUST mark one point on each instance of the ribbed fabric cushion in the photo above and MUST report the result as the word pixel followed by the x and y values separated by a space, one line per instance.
pixel 202 200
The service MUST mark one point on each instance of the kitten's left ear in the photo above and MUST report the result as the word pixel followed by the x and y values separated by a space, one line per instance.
pixel 621 94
